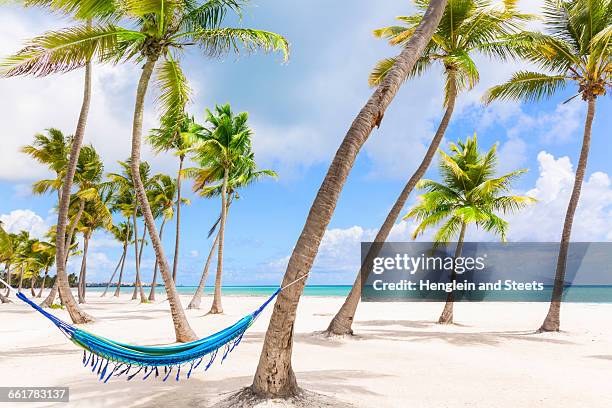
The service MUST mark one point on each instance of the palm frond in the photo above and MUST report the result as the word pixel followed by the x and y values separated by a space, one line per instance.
pixel 526 86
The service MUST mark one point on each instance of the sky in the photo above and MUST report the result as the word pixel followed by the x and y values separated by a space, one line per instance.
pixel 300 111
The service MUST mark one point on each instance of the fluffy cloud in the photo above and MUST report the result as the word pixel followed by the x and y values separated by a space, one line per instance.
pixel 339 253
pixel 25 220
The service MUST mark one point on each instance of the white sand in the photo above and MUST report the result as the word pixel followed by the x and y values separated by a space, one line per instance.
pixel 400 358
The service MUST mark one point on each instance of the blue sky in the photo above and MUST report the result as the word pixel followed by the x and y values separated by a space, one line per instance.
pixel 300 111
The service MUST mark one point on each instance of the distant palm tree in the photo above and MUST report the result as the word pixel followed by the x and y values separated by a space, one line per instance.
pixel 178 135
pixel 470 193
pixel 274 376
pixel 96 215
pixel 6 257
pixel 46 256
pixel 467 28
pixel 577 49
pixel 165 197
pixel 122 233
pixel 125 201
pixel 241 177
pixel 224 149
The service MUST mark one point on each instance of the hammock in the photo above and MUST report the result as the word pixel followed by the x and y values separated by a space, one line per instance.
pixel 129 360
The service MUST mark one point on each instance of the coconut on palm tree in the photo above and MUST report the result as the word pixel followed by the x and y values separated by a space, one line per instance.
pixel 467 28
pixel 240 177
pixel 470 194
pixel 274 376
pixel 577 48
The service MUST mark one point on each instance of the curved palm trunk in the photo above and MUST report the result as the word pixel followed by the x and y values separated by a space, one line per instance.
pixel 178 218
pixel 342 323
pixel 216 307
pixel 113 275
pixel 42 285
pixel 552 321
pixel 154 280
pixel 8 279
pixel 83 273
pixel 447 313
pixel 197 296
pixel 20 281
pixel 120 280
pixel 137 258
pixel 183 331
pixel 76 314
pixel 32 292
pixel 72 228
pixel 274 376
pixel 50 299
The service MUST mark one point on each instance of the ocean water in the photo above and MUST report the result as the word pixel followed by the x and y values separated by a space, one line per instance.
pixel 574 294
pixel 311 290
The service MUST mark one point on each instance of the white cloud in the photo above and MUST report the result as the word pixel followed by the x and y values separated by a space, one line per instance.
pixel 194 253
pixel 25 220
pixel 339 253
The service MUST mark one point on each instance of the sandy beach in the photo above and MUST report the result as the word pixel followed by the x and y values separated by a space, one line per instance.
pixel 399 358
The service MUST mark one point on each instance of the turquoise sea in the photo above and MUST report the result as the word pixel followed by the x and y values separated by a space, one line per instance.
pixel 310 290
pixel 576 293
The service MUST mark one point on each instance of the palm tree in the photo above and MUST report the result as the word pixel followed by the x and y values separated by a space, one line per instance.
pixel 467 27
pixel 95 216
pixel 577 49
pixel 46 257
pixel 165 196
pixel 241 177
pixel 123 234
pixel 125 201
pixel 6 256
pixel 274 376
pixel 177 134
pixel 469 194
pixel 53 150
pixel 225 149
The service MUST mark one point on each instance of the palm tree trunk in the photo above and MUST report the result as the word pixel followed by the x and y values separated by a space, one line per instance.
pixel 113 275
pixel 8 279
pixel 76 314
pixel 552 322
pixel 274 376
pixel 120 280
pixel 197 296
pixel 32 292
pixel 342 323
pixel 137 257
pixel 42 285
pixel 154 280
pixel 183 331
pixel 178 218
pixel 72 228
pixel 50 299
pixel 20 280
pixel 447 314
pixel 216 307
pixel 83 273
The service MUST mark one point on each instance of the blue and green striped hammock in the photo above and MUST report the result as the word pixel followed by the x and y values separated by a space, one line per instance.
pixel 108 358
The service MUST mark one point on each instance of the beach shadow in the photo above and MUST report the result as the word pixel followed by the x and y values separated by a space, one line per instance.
pixel 41 351
pixel 412 324
pixel 461 338
pixel 601 357
pixel 199 392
